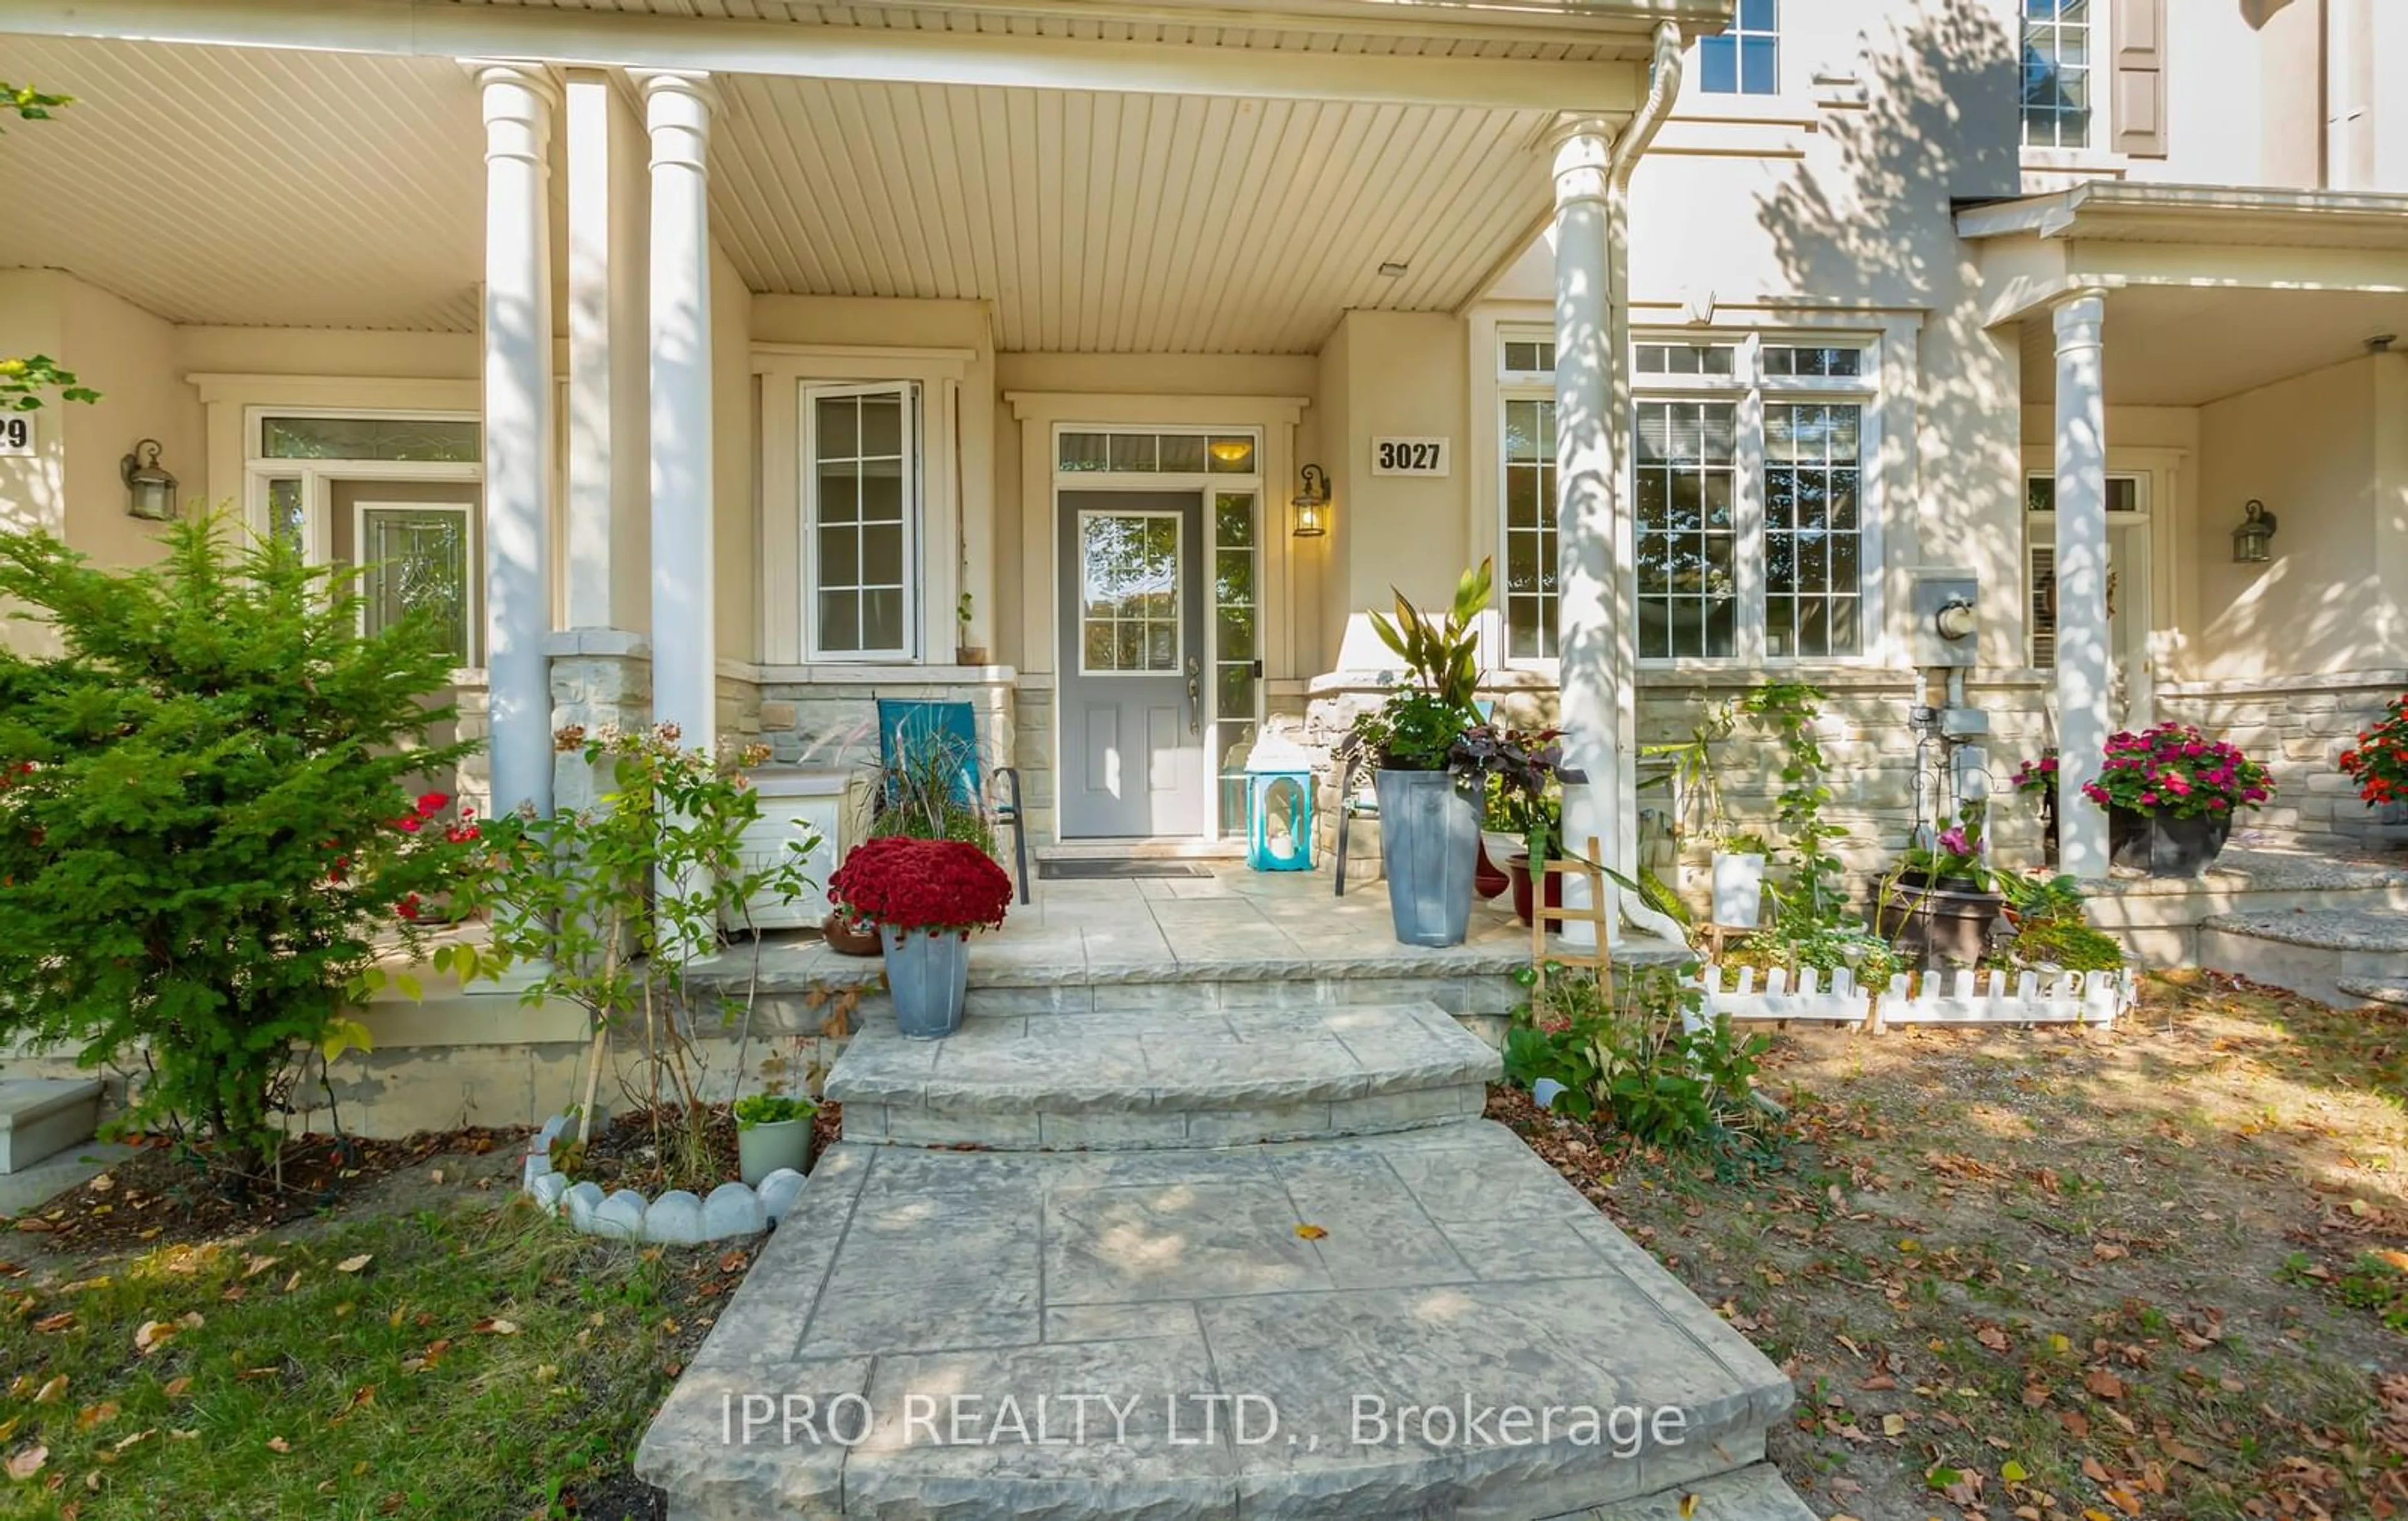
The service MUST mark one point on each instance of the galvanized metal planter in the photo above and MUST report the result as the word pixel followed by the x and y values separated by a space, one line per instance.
pixel 928 974
pixel 1430 846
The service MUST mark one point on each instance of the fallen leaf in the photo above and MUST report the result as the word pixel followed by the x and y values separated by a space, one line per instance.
pixel 124 1443
pixel 355 1264
pixel 1311 1233
pixel 150 1334
pixel 60 1322
pixel 2103 1384
pixel 253 1266
pixel 25 1465
pixel 99 1415
pixel 1892 1425
pixel 497 1327
pixel 278 1444
pixel 51 1390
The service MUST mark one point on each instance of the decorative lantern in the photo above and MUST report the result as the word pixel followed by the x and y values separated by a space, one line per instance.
pixel 1279 807
pixel 1312 504
pixel 149 490
pixel 2251 542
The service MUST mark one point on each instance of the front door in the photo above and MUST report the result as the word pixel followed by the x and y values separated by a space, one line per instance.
pixel 1132 663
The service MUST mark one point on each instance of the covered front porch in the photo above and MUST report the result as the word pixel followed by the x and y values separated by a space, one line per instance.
pixel 2216 473
pixel 733 373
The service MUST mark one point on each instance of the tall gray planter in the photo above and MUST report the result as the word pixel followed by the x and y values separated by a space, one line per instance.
pixel 1429 847
pixel 930 977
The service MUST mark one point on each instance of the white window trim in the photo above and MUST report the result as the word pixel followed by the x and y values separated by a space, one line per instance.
pixel 475 609
pixel 1180 596
pixel 955 509
pixel 914 451
pixel 2096 151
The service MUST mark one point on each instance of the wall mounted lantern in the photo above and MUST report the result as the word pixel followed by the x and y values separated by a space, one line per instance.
pixel 149 490
pixel 1312 504
pixel 2251 540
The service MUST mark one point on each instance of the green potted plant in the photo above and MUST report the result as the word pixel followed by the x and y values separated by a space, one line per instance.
pixel 1517 771
pixel 2171 793
pixel 1940 903
pixel 1430 808
pixel 925 896
pixel 773 1128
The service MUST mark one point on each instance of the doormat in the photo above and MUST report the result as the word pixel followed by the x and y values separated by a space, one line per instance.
pixel 1117 868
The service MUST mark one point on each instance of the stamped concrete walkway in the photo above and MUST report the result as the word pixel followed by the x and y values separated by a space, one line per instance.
pixel 1413 1321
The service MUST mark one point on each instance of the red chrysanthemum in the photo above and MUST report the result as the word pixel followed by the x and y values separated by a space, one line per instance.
pixel 931 884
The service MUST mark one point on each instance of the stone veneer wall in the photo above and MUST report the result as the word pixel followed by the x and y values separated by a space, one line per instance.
pixel 1866 740
pixel 2298 725
pixel 826 717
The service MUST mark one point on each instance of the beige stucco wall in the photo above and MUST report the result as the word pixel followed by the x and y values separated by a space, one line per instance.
pixel 2306 447
pixel 33 321
pixel 129 356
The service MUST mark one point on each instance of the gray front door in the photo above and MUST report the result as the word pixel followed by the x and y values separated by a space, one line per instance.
pixel 1132 659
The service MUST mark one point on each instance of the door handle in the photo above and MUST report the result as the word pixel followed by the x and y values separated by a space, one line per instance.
pixel 1195 700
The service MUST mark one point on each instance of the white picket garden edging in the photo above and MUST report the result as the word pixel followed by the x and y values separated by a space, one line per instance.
pixel 1958 997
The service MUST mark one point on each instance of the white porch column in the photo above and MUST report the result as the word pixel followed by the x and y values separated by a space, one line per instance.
pixel 685 649
pixel 517 106
pixel 1586 632
pixel 2081 669
pixel 608 489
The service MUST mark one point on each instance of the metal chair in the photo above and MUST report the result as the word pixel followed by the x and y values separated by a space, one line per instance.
pixel 910 725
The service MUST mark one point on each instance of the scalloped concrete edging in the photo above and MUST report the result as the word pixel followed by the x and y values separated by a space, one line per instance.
pixel 677 1218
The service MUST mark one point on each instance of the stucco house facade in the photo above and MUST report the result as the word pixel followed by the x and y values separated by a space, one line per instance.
pixel 735 361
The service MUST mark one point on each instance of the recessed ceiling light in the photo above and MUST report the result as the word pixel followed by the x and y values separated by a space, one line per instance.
pixel 1390 269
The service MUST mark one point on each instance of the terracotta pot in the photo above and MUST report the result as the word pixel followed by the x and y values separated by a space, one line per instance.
pixel 848 936
pixel 1487 879
pixel 1517 866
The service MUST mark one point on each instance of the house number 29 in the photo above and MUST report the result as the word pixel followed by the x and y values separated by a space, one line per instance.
pixel 1408 456
pixel 16 433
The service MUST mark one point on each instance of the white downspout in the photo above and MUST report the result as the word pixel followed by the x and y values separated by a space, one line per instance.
pixel 1629 146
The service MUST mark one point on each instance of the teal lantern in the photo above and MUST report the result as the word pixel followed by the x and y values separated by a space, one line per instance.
pixel 1279 808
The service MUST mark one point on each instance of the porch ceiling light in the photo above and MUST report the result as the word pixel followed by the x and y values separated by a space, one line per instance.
pixel 1233 451
pixel 149 490
pixel 1312 504
pixel 2251 542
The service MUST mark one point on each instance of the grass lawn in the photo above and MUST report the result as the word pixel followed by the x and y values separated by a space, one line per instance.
pixel 2050 1275
pixel 459 1359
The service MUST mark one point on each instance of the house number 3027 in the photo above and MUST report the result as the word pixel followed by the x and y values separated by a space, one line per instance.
pixel 1408 456
pixel 16 433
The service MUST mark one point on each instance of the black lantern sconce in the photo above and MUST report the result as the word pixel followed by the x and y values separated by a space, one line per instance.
pixel 149 490
pixel 2253 540
pixel 1312 504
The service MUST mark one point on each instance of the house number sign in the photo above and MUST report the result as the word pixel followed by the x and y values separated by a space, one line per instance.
pixel 16 433
pixel 1408 456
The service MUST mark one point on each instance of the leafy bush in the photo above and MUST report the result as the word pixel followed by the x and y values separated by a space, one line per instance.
pixel 1417 727
pixel 2052 928
pixel 616 903
pixel 206 830
pixel 1642 1060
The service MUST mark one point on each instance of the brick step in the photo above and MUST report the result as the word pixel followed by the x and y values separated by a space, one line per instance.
pixel 1157 1078
pixel 41 1117
pixel 2312 953
pixel 1748 1494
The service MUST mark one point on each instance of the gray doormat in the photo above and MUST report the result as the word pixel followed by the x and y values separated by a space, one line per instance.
pixel 1117 868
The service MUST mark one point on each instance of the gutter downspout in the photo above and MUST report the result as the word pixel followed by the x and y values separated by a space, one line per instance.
pixel 1629 146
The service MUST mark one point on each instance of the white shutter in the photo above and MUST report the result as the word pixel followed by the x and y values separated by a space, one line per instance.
pixel 2042 599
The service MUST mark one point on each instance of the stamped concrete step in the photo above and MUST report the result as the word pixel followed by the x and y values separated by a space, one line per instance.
pixel 42 1116
pixel 2367 990
pixel 1161 1078
pixel 1460 1334
pixel 1750 1494
pixel 2309 951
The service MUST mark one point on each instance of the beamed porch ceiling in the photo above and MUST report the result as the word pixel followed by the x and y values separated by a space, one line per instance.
pixel 1143 207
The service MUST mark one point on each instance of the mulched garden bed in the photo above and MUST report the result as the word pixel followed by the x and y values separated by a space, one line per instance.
pixel 164 1195
pixel 626 1154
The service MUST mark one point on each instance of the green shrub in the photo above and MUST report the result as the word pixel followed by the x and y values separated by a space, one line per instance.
pixel 2067 943
pixel 771 1109
pixel 1642 1061
pixel 207 826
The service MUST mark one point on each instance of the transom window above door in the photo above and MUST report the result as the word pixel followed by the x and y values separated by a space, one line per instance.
pixel 1114 452
pixel 395 496
pixel 861 489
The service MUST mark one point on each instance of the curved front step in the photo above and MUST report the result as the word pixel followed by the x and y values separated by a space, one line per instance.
pixel 1108 1082
pixel 2313 953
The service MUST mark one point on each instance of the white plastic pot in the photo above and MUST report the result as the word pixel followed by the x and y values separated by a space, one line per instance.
pixel 1738 889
